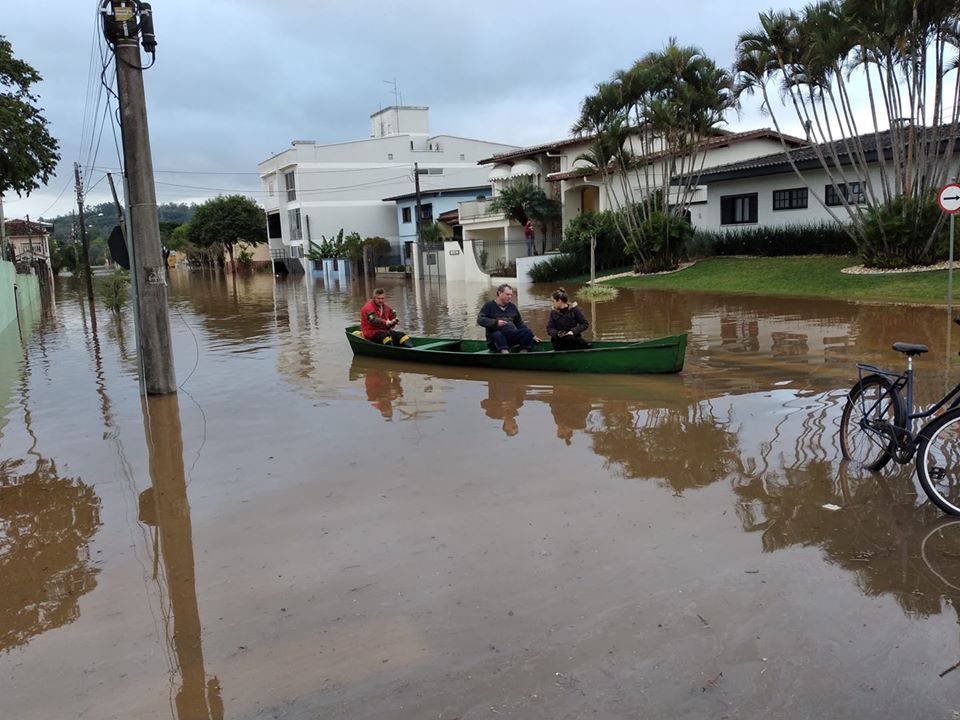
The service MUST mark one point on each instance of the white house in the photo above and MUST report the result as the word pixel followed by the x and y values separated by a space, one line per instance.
pixel 314 190
pixel 559 169
pixel 765 191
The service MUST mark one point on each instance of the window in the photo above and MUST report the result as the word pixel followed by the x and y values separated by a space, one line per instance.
pixel 273 226
pixel 738 209
pixel 405 214
pixel 426 213
pixel 270 188
pixel 463 156
pixel 293 217
pixel 389 156
pixel 792 199
pixel 290 183
pixel 434 171
pixel 852 192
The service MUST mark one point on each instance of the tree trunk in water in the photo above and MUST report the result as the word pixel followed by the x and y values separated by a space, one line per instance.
pixel 233 265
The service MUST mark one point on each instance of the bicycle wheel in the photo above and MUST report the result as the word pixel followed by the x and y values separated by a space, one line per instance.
pixel 938 461
pixel 871 402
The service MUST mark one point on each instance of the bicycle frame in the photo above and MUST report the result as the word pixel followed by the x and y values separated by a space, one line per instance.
pixel 901 381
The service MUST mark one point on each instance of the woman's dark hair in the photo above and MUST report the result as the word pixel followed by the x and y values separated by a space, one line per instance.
pixel 561 295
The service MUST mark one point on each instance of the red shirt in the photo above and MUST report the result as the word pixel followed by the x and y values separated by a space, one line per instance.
pixel 373 318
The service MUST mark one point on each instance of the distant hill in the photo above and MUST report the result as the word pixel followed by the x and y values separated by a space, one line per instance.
pixel 103 217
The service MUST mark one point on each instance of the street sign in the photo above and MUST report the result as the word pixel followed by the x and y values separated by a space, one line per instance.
pixel 949 198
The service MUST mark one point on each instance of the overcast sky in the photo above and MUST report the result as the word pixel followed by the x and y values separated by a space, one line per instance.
pixel 235 81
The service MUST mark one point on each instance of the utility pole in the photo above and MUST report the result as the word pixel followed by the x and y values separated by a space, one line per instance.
pixel 124 23
pixel 416 183
pixel 3 233
pixel 85 248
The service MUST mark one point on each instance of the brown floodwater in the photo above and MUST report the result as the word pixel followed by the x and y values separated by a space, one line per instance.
pixel 303 534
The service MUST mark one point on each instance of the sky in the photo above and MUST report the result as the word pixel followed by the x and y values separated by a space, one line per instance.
pixel 236 81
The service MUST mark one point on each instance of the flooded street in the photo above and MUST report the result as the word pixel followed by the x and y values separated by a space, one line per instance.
pixel 300 534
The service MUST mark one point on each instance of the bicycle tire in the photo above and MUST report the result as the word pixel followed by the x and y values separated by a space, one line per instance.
pixel 938 461
pixel 876 396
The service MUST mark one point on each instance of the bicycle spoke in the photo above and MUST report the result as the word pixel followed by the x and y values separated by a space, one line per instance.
pixel 938 463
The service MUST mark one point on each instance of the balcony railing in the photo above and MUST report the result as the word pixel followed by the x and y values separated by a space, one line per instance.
pixel 477 209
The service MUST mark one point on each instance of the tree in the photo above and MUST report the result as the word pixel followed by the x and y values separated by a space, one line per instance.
pixel 522 200
pixel 28 154
pixel 227 220
pixel 649 124
pixel 378 248
pixel 901 56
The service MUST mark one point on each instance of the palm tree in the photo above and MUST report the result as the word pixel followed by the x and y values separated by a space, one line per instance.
pixel 900 53
pixel 521 201
pixel 648 124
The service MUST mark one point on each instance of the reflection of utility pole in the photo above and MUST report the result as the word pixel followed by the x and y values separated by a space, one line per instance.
pixel 124 22
pixel 88 278
pixel 165 506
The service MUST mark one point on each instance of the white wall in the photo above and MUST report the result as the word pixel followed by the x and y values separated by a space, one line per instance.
pixel 707 215
pixel 343 185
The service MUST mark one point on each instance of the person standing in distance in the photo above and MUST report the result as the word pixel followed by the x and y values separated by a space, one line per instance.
pixel 529 234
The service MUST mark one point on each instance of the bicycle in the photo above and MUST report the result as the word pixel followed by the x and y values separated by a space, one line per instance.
pixel 877 426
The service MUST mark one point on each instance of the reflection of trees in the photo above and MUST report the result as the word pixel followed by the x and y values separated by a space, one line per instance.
pixel 45 524
pixel 687 447
pixel 234 310
pixel 877 535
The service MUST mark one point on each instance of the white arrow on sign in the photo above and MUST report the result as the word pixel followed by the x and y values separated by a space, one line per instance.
pixel 949 198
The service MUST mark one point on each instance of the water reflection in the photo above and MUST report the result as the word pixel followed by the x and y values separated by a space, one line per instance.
pixel 46 523
pixel 870 525
pixel 164 507
pixel 383 387
pixel 503 402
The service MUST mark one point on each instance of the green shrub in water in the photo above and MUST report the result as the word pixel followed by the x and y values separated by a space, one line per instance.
pixel 113 290
pixel 597 292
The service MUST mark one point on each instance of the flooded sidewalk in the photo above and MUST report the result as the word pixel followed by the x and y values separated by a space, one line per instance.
pixel 303 534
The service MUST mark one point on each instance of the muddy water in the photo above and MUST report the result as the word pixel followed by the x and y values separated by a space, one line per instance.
pixel 301 534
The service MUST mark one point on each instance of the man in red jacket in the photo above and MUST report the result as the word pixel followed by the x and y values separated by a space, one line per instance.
pixel 377 320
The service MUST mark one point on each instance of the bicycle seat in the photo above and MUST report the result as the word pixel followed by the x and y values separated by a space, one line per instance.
pixel 910 349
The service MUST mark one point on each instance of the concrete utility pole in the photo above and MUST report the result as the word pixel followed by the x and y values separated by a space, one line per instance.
pixel 416 184
pixel 85 247
pixel 3 232
pixel 124 23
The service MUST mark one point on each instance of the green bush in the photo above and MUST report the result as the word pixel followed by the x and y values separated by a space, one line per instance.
pixel 113 290
pixel 557 268
pixel 898 233
pixel 822 239
pixel 659 243
pixel 601 225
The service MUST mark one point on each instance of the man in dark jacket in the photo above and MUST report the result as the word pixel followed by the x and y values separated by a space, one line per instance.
pixel 504 326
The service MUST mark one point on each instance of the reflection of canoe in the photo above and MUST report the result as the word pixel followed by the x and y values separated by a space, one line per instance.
pixel 660 355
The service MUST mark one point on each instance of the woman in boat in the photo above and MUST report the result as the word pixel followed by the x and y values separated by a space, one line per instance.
pixel 566 324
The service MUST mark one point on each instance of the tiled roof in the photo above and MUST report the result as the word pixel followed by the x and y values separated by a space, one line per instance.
pixel 534 150
pixel 807 156
pixel 720 141
pixel 440 192
pixel 21 228
pixel 450 217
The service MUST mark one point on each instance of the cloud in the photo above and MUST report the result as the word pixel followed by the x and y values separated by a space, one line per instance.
pixel 235 82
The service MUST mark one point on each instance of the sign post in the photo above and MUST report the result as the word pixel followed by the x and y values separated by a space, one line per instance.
pixel 949 201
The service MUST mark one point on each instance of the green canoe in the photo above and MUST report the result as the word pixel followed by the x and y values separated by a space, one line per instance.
pixel 660 355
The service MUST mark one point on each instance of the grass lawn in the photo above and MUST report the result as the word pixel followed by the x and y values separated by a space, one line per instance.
pixel 813 276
